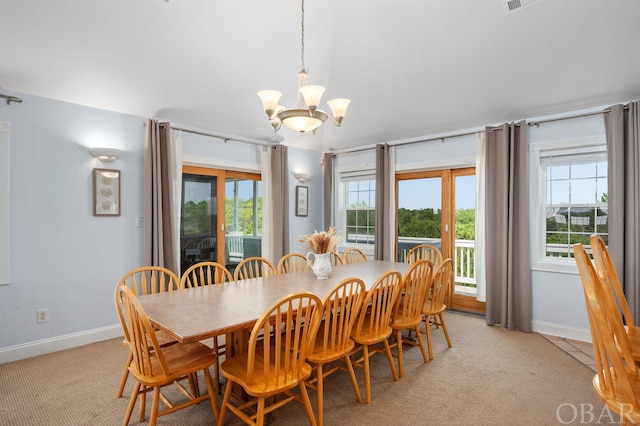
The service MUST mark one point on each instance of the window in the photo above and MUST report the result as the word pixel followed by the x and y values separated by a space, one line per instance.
pixel 360 211
pixel 571 198
pixel 357 203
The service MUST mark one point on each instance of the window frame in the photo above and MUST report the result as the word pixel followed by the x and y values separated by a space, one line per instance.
pixel 537 198
pixel 342 177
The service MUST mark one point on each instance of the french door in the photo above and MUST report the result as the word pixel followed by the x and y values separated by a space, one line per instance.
pixel 221 218
pixel 438 208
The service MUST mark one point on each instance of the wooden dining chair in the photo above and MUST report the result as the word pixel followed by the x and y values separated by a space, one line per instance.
pixel 372 326
pixel 407 311
pixel 292 262
pixel 434 306
pixel 425 251
pixel 275 361
pixel 155 366
pixel 617 378
pixel 150 280
pixel 202 274
pixel 205 273
pixel 147 280
pixel 335 258
pixel 254 267
pixel 340 309
pixel 608 275
pixel 353 255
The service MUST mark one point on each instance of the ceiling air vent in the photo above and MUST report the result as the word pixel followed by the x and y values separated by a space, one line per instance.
pixel 514 5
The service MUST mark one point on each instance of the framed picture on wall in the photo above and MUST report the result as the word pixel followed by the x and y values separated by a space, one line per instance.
pixel 106 192
pixel 302 200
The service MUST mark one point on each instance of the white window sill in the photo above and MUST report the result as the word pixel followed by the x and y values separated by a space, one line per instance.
pixel 558 266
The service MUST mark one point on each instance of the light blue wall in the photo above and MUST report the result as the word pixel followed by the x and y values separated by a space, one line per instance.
pixel 64 259
pixel 305 161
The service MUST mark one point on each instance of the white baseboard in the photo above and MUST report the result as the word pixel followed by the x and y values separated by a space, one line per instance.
pixel 58 343
pixel 559 330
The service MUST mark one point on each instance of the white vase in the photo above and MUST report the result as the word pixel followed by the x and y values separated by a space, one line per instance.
pixel 320 264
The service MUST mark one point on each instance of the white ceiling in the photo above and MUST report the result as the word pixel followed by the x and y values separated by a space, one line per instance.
pixel 410 67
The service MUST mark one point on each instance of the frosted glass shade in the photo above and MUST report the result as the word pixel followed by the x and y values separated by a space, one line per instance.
pixel 269 100
pixel 312 94
pixel 339 108
pixel 301 121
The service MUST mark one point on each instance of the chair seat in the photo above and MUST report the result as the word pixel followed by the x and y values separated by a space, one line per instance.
pixel 318 355
pixel 398 322
pixel 368 336
pixel 179 358
pixel 431 309
pixel 623 406
pixel 236 370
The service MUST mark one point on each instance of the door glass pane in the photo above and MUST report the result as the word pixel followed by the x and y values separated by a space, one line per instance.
pixel 465 235
pixel 198 220
pixel 419 213
pixel 243 220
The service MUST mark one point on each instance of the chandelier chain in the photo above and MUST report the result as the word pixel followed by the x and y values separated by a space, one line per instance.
pixel 302 41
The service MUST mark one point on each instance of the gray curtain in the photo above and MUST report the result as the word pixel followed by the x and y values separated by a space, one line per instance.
pixel 279 168
pixel 327 164
pixel 382 239
pixel 508 271
pixel 622 125
pixel 160 243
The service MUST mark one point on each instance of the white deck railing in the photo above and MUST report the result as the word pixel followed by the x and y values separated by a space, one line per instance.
pixel 465 262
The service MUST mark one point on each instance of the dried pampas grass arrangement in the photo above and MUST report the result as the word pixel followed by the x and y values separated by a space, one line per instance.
pixel 321 242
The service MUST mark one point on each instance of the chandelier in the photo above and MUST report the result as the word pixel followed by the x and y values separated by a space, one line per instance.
pixel 306 117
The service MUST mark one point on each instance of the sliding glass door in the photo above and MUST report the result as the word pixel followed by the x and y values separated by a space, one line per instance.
pixel 438 208
pixel 221 218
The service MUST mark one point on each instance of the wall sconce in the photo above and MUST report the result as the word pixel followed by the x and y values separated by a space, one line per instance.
pixel 302 176
pixel 106 155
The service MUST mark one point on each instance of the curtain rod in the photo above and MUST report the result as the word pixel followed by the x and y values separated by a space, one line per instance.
pixel 404 142
pixel 226 137
pixel 539 122
pixel 10 99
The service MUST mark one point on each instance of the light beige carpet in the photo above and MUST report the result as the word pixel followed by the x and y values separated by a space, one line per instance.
pixel 491 376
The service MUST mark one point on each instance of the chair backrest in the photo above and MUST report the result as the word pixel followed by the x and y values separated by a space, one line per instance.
pixel 254 267
pixel 425 251
pixel 282 337
pixel 292 262
pixel 353 255
pixel 205 273
pixel 340 309
pixel 413 293
pixel 235 246
pixel 140 336
pixel 378 305
pixel 441 283
pixel 607 273
pixel 610 342
pixel 335 259
pixel 151 279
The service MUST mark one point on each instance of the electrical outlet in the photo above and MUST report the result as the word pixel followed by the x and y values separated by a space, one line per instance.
pixel 43 315
pixel 139 221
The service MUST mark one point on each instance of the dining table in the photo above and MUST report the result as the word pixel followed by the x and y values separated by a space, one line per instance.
pixel 232 308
